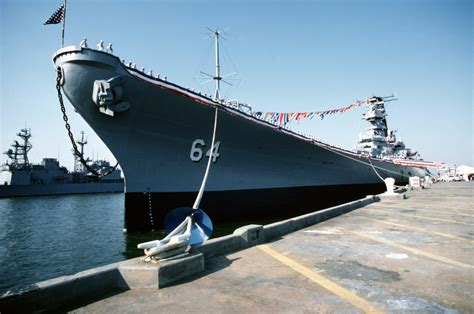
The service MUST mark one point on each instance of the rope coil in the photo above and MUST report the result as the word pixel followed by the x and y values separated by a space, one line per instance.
pixel 80 156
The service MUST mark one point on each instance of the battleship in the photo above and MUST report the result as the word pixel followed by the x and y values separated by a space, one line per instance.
pixel 161 135
pixel 19 177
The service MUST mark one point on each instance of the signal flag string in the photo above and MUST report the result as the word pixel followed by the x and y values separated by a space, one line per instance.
pixel 284 118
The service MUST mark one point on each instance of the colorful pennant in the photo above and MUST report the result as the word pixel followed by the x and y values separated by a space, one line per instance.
pixel 284 118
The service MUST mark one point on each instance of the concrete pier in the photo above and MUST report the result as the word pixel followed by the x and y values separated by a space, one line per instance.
pixel 394 255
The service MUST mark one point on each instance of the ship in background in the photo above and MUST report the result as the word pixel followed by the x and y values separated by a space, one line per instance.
pixel 18 177
pixel 161 135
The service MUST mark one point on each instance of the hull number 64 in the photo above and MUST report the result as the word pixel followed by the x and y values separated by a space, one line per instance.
pixel 197 152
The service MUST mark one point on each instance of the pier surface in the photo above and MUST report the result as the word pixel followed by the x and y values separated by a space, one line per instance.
pixel 412 255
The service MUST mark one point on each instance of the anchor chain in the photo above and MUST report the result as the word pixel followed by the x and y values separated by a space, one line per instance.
pixel 71 136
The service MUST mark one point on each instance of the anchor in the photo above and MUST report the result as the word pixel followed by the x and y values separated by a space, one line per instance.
pixel 195 228
pixel 185 226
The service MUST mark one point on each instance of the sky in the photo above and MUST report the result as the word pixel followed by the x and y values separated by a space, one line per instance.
pixel 290 56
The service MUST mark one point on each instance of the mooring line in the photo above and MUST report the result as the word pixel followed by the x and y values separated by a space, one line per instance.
pixel 197 202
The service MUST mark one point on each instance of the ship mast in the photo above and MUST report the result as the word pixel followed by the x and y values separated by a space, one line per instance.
pixel 77 163
pixel 19 155
pixel 217 77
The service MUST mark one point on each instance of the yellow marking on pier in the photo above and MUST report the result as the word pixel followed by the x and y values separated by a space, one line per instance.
pixel 449 213
pixel 421 217
pixel 413 250
pixel 444 207
pixel 450 236
pixel 350 297
pixel 428 209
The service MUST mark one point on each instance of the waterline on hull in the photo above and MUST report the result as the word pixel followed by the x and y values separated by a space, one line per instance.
pixel 146 211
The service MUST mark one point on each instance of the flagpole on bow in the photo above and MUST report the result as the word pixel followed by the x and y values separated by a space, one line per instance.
pixel 64 24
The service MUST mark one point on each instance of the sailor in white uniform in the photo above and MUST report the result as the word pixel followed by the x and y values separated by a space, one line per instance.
pixel 83 43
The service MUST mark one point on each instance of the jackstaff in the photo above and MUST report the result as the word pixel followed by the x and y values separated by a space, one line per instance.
pixel 57 17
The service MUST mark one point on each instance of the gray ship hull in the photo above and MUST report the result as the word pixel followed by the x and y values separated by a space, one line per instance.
pixel 60 189
pixel 261 169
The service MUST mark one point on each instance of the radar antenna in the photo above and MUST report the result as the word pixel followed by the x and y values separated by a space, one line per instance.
pixel 217 77
pixel 19 153
pixel 389 98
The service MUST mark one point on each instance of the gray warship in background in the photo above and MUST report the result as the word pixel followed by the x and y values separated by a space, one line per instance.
pixel 18 177
pixel 161 133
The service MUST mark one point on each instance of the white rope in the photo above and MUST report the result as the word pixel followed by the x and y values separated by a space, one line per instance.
pixel 373 167
pixel 360 161
pixel 378 175
pixel 376 172
pixel 204 180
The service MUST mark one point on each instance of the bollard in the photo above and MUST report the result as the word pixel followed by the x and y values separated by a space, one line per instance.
pixel 389 183
pixel 414 182
pixel 428 181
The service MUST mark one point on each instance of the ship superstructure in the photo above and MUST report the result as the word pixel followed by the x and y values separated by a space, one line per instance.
pixel 378 140
pixel 18 154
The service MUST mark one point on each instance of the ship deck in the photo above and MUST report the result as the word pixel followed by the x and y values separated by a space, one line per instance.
pixel 396 255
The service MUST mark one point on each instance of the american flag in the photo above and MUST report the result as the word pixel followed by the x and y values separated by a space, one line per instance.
pixel 57 16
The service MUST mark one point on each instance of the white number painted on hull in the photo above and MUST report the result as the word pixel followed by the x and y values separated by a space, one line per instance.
pixel 215 153
pixel 196 153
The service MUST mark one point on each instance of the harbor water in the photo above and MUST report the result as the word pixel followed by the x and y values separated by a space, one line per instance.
pixel 50 236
